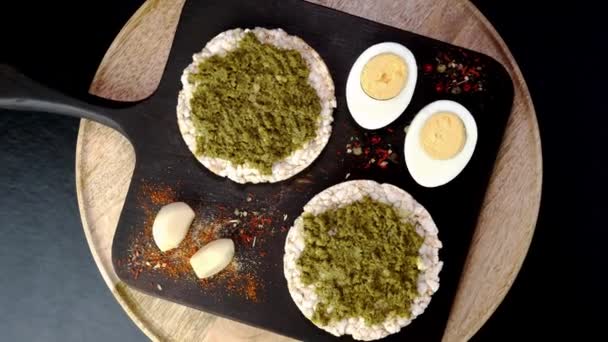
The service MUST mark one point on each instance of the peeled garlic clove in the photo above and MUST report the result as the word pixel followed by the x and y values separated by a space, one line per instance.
pixel 171 225
pixel 212 258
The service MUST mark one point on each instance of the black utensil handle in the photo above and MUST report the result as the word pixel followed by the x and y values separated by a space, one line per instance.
pixel 19 92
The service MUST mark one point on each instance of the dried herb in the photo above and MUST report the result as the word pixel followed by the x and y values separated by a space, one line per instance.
pixel 362 259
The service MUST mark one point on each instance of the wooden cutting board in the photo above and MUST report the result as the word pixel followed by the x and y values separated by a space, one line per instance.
pixel 132 69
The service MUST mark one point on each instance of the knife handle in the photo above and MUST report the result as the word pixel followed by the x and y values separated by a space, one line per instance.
pixel 21 93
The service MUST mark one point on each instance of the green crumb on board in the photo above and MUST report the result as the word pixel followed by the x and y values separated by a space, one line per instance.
pixel 254 105
pixel 362 259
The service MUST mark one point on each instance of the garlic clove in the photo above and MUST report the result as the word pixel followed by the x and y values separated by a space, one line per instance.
pixel 212 258
pixel 171 225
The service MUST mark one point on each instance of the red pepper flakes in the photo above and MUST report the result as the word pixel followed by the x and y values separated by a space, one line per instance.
pixel 375 152
pixel 251 286
pixel 439 88
pixel 255 227
pixel 244 228
pixel 456 73
pixel 234 280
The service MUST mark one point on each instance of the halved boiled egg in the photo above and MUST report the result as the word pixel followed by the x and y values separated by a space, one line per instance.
pixel 439 143
pixel 380 84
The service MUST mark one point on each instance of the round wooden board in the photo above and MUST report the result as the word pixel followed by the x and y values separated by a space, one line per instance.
pixel 132 69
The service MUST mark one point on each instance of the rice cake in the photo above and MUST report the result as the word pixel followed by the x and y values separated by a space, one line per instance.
pixel 429 265
pixel 319 78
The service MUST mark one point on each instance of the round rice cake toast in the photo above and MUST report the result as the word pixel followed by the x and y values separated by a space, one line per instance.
pixel 319 78
pixel 429 265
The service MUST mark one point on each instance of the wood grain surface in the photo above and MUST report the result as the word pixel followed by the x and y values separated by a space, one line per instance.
pixel 133 65
pixel 131 71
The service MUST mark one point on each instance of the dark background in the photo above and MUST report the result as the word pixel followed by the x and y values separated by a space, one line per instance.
pixel 50 288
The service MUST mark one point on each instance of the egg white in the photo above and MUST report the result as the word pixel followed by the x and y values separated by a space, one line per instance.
pixel 430 172
pixel 368 112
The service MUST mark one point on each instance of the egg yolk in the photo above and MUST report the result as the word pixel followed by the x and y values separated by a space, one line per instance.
pixel 443 135
pixel 384 75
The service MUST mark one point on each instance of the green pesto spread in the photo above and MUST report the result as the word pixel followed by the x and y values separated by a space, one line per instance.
pixel 362 259
pixel 253 106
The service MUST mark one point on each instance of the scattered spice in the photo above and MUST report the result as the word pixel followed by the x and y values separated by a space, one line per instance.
pixel 157 194
pixel 455 73
pixel 248 229
pixel 235 281
pixel 370 150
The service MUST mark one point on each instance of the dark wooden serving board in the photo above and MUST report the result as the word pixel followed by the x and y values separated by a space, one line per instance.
pixel 163 159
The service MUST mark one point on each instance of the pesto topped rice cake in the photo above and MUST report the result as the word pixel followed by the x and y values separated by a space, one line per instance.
pixel 249 139
pixel 362 259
